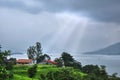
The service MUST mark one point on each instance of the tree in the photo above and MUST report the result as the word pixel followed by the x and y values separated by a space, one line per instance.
pixel 103 72
pixel 69 61
pixel 38 49
pixel 42 58
pixel 12 60
pixel 95 72
pixel 4 73
pixel 32 71
pixel 90 69
pixel 67 57
pixel 0 48
pixel 9 63
pixel 3 57
pixel 34 52
pixel 59 62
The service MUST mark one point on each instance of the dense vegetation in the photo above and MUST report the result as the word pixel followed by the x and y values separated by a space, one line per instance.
pixel 67 68
pixel 5 66
pixel 52 72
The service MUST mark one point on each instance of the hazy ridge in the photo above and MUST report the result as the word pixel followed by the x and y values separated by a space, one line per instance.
pixel 110 50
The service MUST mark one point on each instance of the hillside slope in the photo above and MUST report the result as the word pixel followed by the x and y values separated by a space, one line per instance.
pixel 110 50
pixel 20 71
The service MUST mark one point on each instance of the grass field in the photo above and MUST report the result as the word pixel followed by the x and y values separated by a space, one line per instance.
pixel 20 71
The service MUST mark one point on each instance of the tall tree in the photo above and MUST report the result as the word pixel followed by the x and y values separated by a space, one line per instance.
pixel 0 48
pixel 34 52
pixel 68 60
pixel 31 53
pixel 38 51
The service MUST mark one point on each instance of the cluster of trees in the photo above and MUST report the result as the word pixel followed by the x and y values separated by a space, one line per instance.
pixel 67 60
pixel 35 53
pixel 94 72
pixel 63 74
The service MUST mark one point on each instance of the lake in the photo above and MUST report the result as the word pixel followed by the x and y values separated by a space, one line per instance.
pixel 112 62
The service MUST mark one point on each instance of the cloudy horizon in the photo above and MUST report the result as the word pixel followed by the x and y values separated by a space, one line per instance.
pixel 59 25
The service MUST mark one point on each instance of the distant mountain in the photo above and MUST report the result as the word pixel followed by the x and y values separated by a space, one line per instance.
pixel 110 50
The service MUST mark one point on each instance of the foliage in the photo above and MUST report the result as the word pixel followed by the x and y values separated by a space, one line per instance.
pixel 113 77
pixel 32 71
pixel 43 57
pixel 35 53
pixel 5 65
pixel 51 71
pixel 21 72
pixel 95 72
pixel 3 57
pixel 4 74
pixel 67 60
pixel 59 62
pixel 62 74
pixel 42 77
pixel 12 60
pixel 9 65
pixel 67 57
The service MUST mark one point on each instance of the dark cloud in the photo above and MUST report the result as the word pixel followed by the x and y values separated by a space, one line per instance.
pixel 20 5
pixel 103 10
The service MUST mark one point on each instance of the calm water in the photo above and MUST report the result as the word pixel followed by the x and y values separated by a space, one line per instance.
pixel 112 62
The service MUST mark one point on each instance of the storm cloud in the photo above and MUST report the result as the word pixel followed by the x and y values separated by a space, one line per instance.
pixel 102 10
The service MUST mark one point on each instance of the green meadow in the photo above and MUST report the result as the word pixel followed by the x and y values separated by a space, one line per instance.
pixel 21 71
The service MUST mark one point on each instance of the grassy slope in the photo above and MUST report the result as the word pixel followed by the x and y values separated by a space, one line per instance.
pixel 20 71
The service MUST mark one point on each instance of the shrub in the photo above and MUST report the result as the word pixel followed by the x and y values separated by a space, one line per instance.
pixel 32 71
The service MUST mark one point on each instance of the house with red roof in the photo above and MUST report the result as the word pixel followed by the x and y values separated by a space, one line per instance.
pixel 29 61
pixel 24 61
pixel 50 62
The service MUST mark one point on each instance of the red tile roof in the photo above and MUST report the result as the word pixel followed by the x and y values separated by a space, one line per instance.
pixel 52 62
pixel 24 61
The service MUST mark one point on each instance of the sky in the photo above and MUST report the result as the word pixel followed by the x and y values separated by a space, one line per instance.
pixel 73 26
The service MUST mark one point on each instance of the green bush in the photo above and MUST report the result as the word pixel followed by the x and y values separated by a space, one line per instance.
pixel 61 74
pixel 32 71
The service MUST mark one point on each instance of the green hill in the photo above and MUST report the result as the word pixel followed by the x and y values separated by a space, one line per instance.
pixel 20 71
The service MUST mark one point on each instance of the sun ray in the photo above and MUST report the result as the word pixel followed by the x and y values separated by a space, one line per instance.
pixel 66 31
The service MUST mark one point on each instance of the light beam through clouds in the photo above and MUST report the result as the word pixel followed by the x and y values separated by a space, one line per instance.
pixel 70 23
